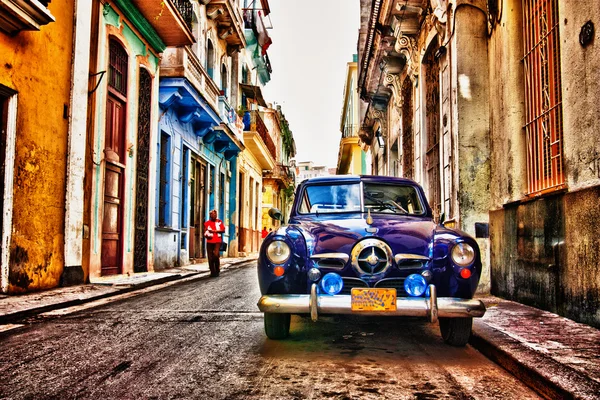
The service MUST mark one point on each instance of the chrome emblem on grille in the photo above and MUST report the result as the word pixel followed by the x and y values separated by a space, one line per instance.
pixel 371 257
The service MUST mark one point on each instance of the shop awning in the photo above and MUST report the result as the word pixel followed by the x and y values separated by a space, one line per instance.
pixel 253 92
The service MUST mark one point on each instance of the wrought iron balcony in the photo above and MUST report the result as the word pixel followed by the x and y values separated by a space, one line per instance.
pixel 281 172
pixel 350 131
pixel 186 10
pixel 171 19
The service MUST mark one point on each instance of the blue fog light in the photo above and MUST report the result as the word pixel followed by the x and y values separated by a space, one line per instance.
pixel 332 283
pixel 415 285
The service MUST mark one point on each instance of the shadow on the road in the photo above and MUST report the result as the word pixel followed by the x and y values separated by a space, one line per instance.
pixel 355 336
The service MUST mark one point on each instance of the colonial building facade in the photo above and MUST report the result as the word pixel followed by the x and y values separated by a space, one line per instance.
pixel 423 77
pixel 123 129
pixel 36 41
pixel 488 106
pixel 545 185
pixel 200 133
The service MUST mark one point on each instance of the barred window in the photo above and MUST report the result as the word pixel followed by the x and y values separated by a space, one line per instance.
pixel 117 69
pixel 163 188
pixel 543 99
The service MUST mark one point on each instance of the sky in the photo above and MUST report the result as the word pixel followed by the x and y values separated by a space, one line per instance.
pixel 313 40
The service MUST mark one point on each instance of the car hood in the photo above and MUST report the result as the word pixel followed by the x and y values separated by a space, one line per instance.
pixel 404 234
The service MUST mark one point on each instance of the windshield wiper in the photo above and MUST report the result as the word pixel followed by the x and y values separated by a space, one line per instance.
pixel 389 204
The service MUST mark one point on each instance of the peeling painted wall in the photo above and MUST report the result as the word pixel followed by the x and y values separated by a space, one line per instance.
pixel 544 251
pixel 111 23
pixel 38 66
pixel 473 124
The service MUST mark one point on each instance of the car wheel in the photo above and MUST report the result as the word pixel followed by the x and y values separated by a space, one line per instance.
pixel 277 326
pixel 456 331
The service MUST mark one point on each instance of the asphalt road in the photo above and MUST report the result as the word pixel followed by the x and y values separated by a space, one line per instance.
pixel 205 340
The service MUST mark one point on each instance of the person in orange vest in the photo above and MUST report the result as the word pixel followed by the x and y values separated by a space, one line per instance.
pixel 213 229
pixel 264 232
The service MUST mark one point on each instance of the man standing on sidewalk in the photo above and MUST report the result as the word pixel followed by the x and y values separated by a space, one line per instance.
pixel 213 228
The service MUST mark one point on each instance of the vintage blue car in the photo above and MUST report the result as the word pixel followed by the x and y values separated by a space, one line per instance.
pixel 368 245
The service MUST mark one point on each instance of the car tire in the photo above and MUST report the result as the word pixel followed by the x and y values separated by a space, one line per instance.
pixel 277 326
pixel 456 331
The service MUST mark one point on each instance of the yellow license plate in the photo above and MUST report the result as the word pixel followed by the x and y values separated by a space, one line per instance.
pixel 373 299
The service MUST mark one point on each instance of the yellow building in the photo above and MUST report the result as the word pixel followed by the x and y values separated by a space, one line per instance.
pixel 351 157
pixel 35 74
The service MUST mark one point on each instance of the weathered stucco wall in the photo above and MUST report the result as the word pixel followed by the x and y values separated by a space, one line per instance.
pixel 581 91
pixel 38 66
pixel 507 108
pixel 545 251
pixel 580 278
pixel 525 252
pixel 472 105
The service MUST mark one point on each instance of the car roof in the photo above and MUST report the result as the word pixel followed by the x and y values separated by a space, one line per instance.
pixel 358 178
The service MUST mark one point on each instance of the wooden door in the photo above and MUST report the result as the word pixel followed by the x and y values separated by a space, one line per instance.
pixel 197 208
pixel 112 219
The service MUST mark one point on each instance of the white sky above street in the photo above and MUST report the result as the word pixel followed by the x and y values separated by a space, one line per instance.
pixel 313 40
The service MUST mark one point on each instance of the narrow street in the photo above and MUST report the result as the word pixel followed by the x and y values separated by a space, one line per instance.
pixel 205 340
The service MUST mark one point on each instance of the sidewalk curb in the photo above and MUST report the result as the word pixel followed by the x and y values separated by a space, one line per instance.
pixel 188 276
pixel 12 317
pixel 543 374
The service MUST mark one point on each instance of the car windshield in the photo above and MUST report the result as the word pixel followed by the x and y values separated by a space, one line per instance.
pixel 331 199
pixel 393 199
pixel 377 197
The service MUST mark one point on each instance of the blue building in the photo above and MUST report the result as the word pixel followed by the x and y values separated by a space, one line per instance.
pixel 200 136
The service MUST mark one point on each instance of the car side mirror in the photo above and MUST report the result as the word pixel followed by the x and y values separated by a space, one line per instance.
pixel 275 214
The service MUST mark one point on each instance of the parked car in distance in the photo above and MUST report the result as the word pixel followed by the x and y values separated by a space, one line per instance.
pixel 368 245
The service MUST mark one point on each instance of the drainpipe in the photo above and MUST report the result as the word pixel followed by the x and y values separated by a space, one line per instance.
pixel 73 235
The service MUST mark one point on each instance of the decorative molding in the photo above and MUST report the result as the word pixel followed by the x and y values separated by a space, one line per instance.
pixel 393 81
pixel 141 24
pixel 439 17
pixel 407 46
pixel 23 15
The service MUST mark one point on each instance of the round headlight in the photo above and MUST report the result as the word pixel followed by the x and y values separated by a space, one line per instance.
pixel 463 254
pixel 278 252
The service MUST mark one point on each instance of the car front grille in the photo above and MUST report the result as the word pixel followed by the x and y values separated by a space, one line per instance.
pixel 350 283
pixel 396 283
pixel 393 283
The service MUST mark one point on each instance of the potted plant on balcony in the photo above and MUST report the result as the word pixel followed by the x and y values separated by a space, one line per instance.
pixel 241 111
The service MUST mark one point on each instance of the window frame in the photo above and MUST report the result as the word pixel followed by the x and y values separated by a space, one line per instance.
pixel 544 136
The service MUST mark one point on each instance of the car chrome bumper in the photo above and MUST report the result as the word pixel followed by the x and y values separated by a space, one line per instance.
pixel 315 304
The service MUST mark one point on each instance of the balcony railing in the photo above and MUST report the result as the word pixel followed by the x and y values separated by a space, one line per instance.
pixel 281 172
pixel 181 62
pixel 186 10
pixel 254 123
pixel 230 117
pixel 350 131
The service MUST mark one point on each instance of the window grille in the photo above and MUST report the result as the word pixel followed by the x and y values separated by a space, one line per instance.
pixel 543 99
pixel 164 180
pixel 408 151
pixel 432 107
pixel 117 69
